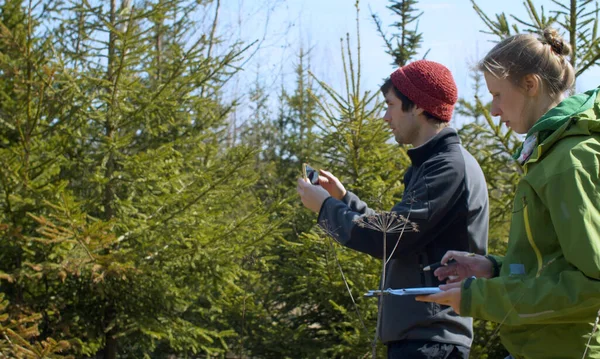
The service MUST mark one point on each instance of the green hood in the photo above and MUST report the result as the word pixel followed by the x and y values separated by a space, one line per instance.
pixel 574 106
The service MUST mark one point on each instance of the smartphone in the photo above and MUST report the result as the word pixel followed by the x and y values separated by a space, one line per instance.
pixel 311 174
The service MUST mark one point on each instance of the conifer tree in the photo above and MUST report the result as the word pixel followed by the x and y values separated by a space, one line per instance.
pixel 30 151
pixel 403 45
pixel 128 216
pixel 275 304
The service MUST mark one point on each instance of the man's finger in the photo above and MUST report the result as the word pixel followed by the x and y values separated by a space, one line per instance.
pixel 323 179
pixel 302 182
pixel 326 175
pixel 301 186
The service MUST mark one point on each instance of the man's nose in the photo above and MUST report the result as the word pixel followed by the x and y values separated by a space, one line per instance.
pixel 386 117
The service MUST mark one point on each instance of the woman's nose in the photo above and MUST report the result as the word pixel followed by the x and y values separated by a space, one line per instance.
pixel 495 111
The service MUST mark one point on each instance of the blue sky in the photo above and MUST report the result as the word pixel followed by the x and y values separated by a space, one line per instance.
pixel 451 31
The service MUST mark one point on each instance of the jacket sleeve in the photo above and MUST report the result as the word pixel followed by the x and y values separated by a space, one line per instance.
pixel 573 201
pixel 426 204
pixel 356 205
pixel 496 263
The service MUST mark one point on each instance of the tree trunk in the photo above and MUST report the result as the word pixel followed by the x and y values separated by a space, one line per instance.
pixel 110 341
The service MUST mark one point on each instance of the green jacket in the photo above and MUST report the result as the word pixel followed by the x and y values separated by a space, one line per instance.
pixel 547 295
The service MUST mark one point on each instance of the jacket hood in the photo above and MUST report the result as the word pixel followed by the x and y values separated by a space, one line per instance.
pixel 575 115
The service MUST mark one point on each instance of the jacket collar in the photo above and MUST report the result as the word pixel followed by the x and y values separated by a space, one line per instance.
pixel 583 122
pixel 445 137
pixel 555 120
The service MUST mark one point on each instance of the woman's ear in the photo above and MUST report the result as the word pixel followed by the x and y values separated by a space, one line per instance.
pixel 532 84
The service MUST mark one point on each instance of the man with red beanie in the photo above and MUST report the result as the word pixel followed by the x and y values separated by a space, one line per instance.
pixel 445 194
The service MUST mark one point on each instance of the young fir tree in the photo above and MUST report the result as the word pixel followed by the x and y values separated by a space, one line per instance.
pixel 274 319
pixel 403 46
pixel 128 216
pixel 30 151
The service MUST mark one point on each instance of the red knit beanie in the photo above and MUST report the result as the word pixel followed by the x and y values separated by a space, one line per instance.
pixel 429 85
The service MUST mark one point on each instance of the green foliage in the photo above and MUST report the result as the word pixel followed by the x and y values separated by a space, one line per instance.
pixel 18 330
pixel 578 19
pixel 136 221
pixel 403 45
pixel 126 215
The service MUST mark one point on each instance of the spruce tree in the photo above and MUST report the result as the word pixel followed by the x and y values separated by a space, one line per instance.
pixel 403 45
pixel 276 301
pixel 127 213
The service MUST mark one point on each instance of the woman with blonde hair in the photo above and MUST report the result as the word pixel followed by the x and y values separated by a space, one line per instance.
pixel 545 291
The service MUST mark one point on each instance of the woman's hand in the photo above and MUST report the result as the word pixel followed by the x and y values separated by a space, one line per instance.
pixel 449 296
pixel 465 265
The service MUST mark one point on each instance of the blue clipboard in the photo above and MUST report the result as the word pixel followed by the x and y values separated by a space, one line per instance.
pixel 404 291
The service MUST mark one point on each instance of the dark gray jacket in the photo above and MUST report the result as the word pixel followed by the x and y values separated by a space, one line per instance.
pixel 450 206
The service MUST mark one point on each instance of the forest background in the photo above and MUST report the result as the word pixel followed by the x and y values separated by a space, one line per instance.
pixel 149 151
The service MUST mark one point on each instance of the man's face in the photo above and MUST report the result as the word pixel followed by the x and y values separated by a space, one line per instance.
pixel 405 125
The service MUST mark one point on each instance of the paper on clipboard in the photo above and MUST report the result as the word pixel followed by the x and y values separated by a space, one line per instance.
pixel 404 291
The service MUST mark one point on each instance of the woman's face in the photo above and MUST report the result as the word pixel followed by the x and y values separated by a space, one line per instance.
pixel 511 103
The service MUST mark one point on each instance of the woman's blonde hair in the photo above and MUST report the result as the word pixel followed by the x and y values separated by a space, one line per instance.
pixel 524 54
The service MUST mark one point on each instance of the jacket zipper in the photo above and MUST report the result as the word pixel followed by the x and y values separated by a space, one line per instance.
pixel 530 237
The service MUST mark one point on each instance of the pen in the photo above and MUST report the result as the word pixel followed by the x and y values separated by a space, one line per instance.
pixel 436 265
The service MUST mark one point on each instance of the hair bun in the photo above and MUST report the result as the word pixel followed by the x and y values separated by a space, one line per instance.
pixel 556 42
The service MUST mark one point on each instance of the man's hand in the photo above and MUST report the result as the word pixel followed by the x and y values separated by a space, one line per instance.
pixel 312 196
pixel 451 296
pixel 466 265
pixel 333 185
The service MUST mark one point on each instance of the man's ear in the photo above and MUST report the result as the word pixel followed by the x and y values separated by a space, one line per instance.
pixel 417 111
pixel 532 84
